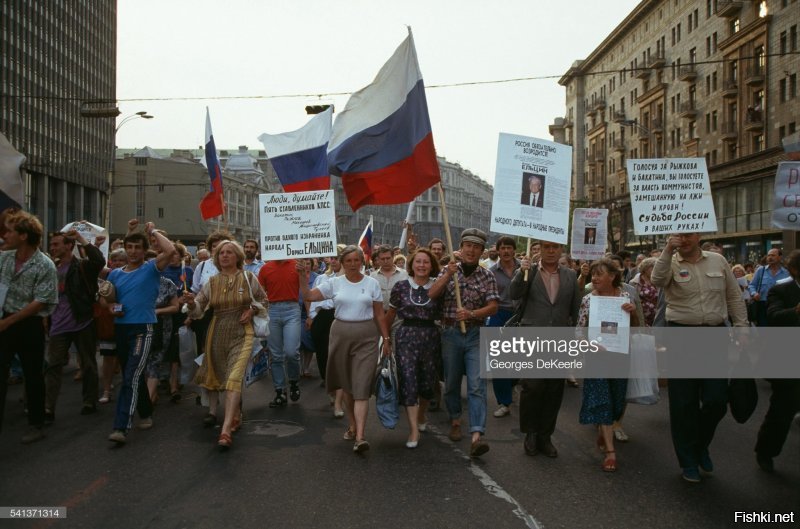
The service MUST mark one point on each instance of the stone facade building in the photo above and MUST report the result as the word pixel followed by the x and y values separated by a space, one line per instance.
pixel 688 78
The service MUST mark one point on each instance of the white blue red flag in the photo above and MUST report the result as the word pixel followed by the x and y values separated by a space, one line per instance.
pixel 11 193
pixel 213 204
pixel 300 157
pixel 365 241
pixel 382 143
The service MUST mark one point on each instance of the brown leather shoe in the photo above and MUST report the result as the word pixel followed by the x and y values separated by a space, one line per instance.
pixel 478 448
pixel 546 447
pixel 530 444
pixel 455 433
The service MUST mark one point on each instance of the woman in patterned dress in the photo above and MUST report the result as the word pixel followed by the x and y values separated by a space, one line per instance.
pixel 648 292
pixel 418 339
pixel 604 398
pixel 229 340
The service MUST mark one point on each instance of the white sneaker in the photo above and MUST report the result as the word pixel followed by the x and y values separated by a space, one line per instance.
pixel 502 411
pixel 145 424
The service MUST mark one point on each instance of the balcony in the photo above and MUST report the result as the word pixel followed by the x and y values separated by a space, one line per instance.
pixel 618 146
pixel 754 75
pixel 753 120
pixel 619 116
pixel 729 131
pixel 656 60
pixel 657 126
pixel 597 156
pixel 642 72
pixel 728 8
pixel 568 123
pixel 688 110
pixel 730 89
pixel 599 104
pixel 590 110
pixel 687 72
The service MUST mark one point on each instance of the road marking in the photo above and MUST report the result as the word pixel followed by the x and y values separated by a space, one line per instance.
pixel 491 486
pixel 80 497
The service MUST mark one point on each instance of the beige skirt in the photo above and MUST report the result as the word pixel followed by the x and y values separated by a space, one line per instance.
pixel 353 357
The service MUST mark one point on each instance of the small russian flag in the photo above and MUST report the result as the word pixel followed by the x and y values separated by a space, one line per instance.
pixel 365 241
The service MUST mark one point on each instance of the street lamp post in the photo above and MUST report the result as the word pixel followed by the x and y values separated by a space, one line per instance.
pixel 112 173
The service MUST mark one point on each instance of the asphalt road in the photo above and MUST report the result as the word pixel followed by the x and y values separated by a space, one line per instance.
pixel 291 468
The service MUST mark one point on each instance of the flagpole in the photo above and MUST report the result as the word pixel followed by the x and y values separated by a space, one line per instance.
pixel 528 255
pixel 404 236
pixel 462 325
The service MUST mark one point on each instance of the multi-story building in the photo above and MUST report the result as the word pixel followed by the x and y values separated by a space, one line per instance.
pixel 57 58
pixel 165 185
pixel 688 78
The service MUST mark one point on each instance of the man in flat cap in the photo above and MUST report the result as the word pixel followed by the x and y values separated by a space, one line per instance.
pixel 461 350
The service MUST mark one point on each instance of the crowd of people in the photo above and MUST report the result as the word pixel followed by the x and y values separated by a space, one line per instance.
pixel 425 307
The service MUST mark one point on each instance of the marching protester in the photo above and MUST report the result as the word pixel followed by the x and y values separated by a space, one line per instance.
pixel 251 261
pixel 417 339
pixel 461 351
pixel 503 266
pixel 281 282
pixel 72 321
pixel 229 340
pixel 306 341
pixel 700 291
pixel 135 291
pixel 783 310
pixel 358 306
pixel 104 320
pixel 763 280
pixel 604 399
pixel 166 307
pixel 30 291
pixel 552 297
pixel 321 315
pixel 181 276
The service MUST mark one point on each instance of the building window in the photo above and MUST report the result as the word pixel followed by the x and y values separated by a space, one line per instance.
pixel 714 157
pixel 782 90
pixel 708 47
pixel 141 161
pixel 708 123
pixel 758 143
pixel 784 47
pixel 713 81
pixel 793 38
pixel 793 86
pixel 734 26
pixel 161 213
pixel 714 121
pixel 692 130
pixel 161 188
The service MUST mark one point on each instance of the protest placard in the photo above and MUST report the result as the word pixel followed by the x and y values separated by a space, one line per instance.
pixel 531 188
pixel 297 225
pixel 786 205
pixel 589 233
pixel 671 195
pixel 90 232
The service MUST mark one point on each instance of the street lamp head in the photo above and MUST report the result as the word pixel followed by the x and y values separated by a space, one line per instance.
pixel 147 116
pixel 141 113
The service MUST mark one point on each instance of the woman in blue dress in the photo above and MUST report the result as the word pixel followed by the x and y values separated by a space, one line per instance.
pixel 417 340
pixel 604 398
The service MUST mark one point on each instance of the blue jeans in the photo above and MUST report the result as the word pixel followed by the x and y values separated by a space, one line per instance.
pixel 461 355
pixel 284 342
pixel 503 387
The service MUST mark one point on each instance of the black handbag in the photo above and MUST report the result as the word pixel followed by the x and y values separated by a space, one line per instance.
pixel 742 398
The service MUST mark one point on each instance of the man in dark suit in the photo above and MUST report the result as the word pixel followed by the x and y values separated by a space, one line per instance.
pixel 783 310
pixel 553 300
pixel 534 194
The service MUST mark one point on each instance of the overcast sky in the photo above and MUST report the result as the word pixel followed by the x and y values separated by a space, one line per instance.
pixel 238 48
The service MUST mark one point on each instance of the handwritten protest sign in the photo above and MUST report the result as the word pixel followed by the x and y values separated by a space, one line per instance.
pixel 671 195
pixel 589 233
pixel 531 188
pixel 297 225
pixel 786 206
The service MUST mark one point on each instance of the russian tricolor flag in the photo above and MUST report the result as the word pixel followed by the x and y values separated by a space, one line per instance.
pixel 365 241
pixel 300 157
pixel 382 144
pixel 213 204
pixel 11 187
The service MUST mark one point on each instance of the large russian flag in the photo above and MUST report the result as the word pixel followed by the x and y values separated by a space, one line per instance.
pixel 213 204
pixel 300 157
pixel 382 144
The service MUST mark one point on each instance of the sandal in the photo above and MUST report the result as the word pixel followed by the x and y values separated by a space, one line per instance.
pixel 210 420
pixel 279 400
pixel 349 435
pixel 175 396
pixel 610 462
pixel 106 398
pixel 621 436
pixel 225 441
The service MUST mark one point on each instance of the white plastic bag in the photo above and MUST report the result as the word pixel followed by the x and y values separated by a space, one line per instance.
pixel 187 351
pixel 643 381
